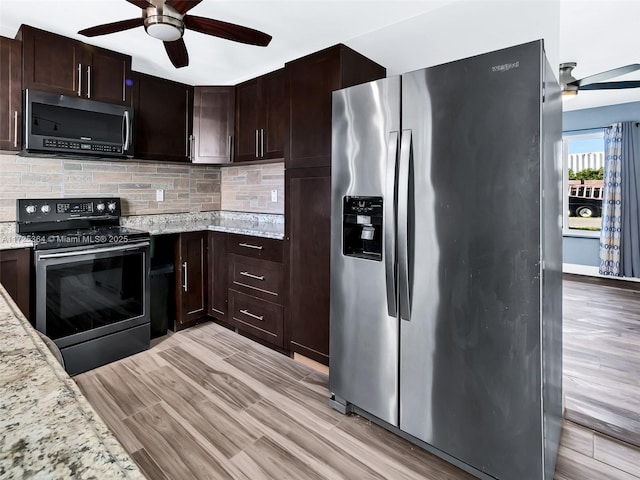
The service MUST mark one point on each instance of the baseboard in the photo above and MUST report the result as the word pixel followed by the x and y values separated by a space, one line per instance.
pixel 311 363
pixel 591 271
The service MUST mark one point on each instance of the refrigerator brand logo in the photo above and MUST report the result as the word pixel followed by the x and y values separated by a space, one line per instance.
pixel 505 67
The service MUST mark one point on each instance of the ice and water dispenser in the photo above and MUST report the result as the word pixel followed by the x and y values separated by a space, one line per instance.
pixel 362 227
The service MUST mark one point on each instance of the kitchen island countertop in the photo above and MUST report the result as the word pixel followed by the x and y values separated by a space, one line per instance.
pixel 47 427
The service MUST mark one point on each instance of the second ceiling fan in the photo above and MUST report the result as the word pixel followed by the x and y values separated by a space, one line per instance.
pixel 167 20
pixel 570 86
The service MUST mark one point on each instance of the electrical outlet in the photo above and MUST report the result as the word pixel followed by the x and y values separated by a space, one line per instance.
pixel 159 195
pixel 274 195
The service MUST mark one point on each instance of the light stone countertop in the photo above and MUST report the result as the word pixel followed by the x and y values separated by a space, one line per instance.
pixel 255 224
pixel 244 223
pixel 48 429
pixel 9 239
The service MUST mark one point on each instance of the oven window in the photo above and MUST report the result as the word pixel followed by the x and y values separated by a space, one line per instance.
pixel 87 294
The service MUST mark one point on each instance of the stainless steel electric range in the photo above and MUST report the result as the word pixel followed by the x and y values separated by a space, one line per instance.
pixel 91 279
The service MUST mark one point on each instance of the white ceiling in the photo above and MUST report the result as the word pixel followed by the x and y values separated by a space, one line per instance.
pixel 597 34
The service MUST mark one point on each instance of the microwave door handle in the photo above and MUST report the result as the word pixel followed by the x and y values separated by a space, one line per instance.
pixel 127 128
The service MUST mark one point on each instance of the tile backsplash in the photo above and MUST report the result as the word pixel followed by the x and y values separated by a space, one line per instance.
pixel 187 188
pixel 248 188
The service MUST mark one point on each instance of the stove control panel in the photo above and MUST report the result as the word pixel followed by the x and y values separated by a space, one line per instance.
pixel 61 209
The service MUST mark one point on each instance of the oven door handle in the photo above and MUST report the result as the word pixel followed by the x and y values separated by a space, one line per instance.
pixel 77 253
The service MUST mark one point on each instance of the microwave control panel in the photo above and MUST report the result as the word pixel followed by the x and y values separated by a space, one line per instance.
pixel 81 146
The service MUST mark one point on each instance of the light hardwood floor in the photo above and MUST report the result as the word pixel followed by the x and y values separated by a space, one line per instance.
pixel 208 403
pixel 602 357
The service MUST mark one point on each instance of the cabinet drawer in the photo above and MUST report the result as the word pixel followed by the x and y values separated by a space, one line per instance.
pixel 259 278
pixel 256 247
pixel 260 318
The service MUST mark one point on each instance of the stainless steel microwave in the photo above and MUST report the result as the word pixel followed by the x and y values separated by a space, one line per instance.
pixel 68 125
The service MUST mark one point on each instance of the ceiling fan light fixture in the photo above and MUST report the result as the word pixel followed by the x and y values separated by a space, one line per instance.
pixel 569 88
pixel 165 28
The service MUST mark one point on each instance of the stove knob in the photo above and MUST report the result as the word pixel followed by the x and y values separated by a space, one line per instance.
pixel 111 206
pixel 100 207
pixel 30 209
pixel 45 209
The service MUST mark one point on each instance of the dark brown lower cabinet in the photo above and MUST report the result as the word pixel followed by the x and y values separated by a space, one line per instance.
pixel 308 228
pixel 217 259
pixel 191 278
pixel 256 288
pixel 15 276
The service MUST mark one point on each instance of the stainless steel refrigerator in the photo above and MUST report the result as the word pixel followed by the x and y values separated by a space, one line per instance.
pixel 446 293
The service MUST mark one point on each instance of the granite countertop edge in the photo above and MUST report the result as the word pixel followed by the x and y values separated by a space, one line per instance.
pixel 266 225
pixel 243 223
pixel 24 355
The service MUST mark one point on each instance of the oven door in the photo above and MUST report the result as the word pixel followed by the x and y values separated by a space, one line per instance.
pixel 86 293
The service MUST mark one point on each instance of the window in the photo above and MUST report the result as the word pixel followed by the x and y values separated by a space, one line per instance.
pixel 583 181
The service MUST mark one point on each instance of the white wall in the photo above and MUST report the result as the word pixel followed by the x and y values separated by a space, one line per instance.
pixel 460 30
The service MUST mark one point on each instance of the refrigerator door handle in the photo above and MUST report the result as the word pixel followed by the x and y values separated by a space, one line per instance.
pixel 390 196
pixel 403 224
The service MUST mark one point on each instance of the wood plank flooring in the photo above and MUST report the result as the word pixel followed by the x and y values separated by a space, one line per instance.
pixel 602 357
pixel 208 403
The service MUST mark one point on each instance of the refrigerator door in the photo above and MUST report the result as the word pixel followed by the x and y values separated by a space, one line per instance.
pixel 364 331
pixel 470 366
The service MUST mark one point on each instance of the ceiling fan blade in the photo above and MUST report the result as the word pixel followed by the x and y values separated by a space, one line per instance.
pixel 182 6
pixel 611 85
pixel 112 27
pixel 599 77
pixel 229 31
pixel 177 52
pixel 140 3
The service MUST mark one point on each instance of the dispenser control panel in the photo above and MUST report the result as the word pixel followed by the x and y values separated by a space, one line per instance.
pixel 362 227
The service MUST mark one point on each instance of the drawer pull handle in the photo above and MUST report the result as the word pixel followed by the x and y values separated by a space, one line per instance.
pixel 251 275
pixel 249 314
pixel 248 245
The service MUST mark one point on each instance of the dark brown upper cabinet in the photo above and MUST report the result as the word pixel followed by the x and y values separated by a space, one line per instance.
pixel 261 118
pixel 10 94
pixel 213 123
pixel 311 80
pixel 163 119
pixel 53 63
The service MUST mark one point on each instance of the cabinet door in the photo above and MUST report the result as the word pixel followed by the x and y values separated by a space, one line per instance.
pixel 213 123
pixel 247 121
pixel 15 276
pixel 162 118
pixel 312 80
pixel 217 258
pixel 308 214
pixel 275 114
pixel 10 94
pixel 51 62
pixel 106 78
pixel 191 284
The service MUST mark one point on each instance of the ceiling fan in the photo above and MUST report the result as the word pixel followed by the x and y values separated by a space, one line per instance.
pixel 570 85
pixel 166 20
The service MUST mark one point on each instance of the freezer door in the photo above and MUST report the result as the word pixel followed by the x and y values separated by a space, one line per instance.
pixel 364 331
pixel 470 367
